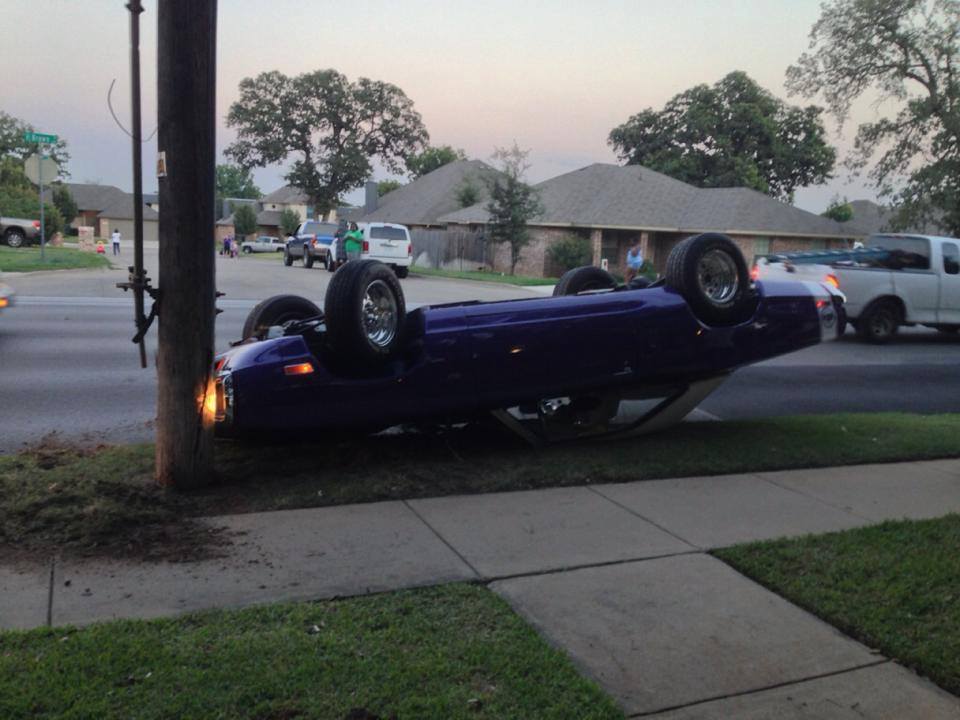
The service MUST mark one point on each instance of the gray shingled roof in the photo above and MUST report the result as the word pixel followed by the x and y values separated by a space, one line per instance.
pixel 635 197
pixel 269 217
pixel 424 200
pixel 287 195
pixel 870 217
pixel 108 201
pixel 121 208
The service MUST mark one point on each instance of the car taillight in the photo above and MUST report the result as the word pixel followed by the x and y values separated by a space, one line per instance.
pixel 755 272
pixel 298 369
pixel 314 241
pixel 832 279
pixel 409 249
pixel 36 224
pixel 366 246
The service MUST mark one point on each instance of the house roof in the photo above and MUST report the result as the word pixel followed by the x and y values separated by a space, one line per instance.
pixel 121 208
pixel 287 195
pixel 264 217
pixel 635 197
pixel 107 201
pixel 870 217
pixel 426 199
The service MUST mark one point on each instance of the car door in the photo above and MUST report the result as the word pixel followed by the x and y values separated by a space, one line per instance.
pixel 914 280
pixel 949 313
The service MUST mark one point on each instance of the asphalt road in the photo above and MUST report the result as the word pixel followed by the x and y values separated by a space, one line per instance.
pixel 67 363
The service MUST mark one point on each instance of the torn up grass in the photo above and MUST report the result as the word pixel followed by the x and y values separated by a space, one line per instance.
pixel 894 586
pixel 456 651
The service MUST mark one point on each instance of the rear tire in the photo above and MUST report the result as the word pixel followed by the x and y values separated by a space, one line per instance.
pixel 287 258
pixel 329 263
pixel 275 311
pixel 246 251
pixel 307 258
pixel 402 271
pixel 709 271
pixel 879 322
pixel 581 279
pixel 14 238
pixel 365 313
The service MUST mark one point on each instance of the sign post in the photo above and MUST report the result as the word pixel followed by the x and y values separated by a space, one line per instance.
pixel 41 139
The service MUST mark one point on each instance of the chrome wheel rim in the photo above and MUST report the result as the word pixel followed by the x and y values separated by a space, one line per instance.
pixel 379 314
pixel 717 277
pixel 14 240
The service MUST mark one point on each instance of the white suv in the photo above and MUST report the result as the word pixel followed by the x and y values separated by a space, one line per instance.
pixel 387 242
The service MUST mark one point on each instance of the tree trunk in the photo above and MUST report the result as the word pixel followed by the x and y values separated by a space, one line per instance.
pixel 186 74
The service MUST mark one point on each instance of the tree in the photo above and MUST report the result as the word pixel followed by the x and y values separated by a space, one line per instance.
pixel 65 203
pixel 468 193
pixel 839 210
pixel 905 51
pixel 386 186
pixel 731 134
pixel 244 220
pixel 432 158
pixel 12 143
pixel 234 181
pixel 289 221
pixel 332 126
pixel 512 203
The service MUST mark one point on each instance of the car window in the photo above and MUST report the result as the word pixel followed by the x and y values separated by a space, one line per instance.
pixel 319 228
pixel 903 253
pixel 379 232
pixel 951 259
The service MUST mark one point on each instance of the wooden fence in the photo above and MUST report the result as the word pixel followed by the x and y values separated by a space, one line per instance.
pixel 450 249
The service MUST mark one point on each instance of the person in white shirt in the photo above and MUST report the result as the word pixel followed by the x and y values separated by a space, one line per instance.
pixel 115 239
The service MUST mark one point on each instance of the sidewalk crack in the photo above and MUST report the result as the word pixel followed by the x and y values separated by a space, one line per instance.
pixel 645 519
pixel 442 539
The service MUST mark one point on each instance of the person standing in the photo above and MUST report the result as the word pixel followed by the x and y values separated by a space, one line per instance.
pixel 634 261
pixel 353 243
pixel 115 241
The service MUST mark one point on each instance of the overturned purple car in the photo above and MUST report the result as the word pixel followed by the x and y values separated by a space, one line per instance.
pixel 596 358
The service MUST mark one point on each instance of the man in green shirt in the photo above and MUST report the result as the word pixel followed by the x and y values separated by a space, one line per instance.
pixel 353 242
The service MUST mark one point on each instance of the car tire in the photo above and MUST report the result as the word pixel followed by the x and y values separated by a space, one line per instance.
pixel 307 258
pixel 246 251
pixel 709 272
pixel 402 271
pixel 581 279
pixel 275 311
pixel 948 329
pixel 14 238
pixel 329 264
pixel 364 313
pixel 287 258
pixel 879 322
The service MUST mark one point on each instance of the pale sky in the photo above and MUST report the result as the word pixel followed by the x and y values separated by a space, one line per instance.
pixel 554 76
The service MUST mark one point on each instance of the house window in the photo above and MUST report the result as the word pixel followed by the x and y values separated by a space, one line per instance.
pixel 817 244
pixel 610 251
pixel 761 246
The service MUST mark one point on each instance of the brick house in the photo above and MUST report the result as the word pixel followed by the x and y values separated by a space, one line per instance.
pixel 613 206
pixel 106 208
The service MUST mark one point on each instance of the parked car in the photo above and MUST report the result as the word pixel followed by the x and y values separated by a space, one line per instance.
pixel 897 279
pixel 310 243
pixel 6 295
pixel 551 367
pixel 262 244
pixel 17 232
pixel 387 242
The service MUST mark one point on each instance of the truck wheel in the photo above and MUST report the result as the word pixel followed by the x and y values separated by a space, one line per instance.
pixel 276 311
pixel 287 258
pixel 709 271
pixel 365 311
pixel 246 250
pixel 578 280
pixel 879 322
pixel 329 263
pixel 402 271
pixel 14 238
pixel 307 258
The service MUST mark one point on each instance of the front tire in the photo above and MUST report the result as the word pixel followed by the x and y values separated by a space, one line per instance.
pixel 365 312
pixel 246 251
pixel 581 279
pixel 329 263
pixel 709 271
pixel 307 258
pixel 879 322
pixel 287 258
pixel 275 311
pixel 14 238
pixel 402 271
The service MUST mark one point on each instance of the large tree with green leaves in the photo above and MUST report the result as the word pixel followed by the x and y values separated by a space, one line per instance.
pixel 333 128
pixel 244 220
pixel 432 158
pixel 65 203
pixel 12 143
pixel 731 134
pixel 289 221
pixel 234 181
pixel 512 203
pixel 907 52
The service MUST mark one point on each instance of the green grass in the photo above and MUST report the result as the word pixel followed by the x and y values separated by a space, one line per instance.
pixel 120 510
pixel 894 586
pixel 456 651
pixel 488 276
pixel 27 259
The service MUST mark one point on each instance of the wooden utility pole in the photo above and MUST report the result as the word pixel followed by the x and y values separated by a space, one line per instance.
pixel 186 83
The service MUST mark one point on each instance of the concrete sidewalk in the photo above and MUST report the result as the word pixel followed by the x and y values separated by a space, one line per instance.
pixel 616 575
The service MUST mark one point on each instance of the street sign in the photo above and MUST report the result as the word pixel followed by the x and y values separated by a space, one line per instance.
pixel 39 138
pixel 33 165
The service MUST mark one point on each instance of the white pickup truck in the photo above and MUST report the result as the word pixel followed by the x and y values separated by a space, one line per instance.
pixel 895 280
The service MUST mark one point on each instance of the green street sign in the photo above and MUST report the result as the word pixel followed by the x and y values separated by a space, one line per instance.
pixel 39 138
